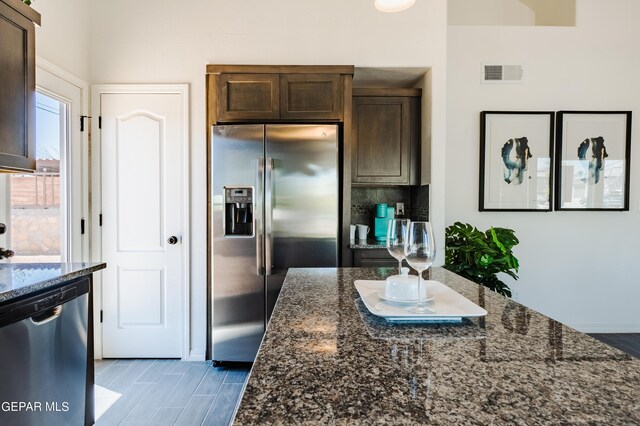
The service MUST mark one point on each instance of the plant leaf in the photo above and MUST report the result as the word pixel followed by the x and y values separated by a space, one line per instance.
pixel 480 256
pixel 495 239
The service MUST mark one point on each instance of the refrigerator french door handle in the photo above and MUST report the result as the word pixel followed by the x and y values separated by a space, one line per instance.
pixel 268 216
pixel 258 215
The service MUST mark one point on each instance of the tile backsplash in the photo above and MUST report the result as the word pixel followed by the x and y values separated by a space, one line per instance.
pixel 364 200
pixel 420 203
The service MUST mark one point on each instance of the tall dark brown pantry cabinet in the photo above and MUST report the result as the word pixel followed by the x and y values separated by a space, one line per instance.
pixel 17 86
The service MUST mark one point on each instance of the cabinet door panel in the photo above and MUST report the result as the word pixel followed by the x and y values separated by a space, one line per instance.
pixel 373 257
pixel 17 89
pixel 246 97
pixel 310 96
pixel 381 140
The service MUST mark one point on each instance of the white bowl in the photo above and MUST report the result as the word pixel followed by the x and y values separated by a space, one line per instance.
pixel 403 287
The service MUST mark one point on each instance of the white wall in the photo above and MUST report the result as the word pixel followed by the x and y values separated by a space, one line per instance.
pixel 490 12
pixel 165 41
pixel 577 267
pixel 63 38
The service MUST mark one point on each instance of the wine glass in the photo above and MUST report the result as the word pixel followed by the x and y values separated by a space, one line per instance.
pixel 396 236
pixel 420 250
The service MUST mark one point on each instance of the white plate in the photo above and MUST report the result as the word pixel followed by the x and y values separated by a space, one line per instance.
pixel 449 305
pixel 382 296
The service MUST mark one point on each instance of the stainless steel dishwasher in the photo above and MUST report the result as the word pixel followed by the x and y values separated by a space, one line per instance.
pixel 43 357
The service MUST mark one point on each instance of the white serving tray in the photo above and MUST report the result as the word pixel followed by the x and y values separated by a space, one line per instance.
pixel 449 305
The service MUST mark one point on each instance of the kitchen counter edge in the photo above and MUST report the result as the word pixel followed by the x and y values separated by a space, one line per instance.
pixel 56 274
pixel 368 245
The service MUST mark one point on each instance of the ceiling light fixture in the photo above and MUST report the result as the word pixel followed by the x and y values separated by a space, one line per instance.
pixel 394 5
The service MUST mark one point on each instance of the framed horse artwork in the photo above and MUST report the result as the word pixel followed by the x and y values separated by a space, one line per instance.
pixel 516 160
pixel 593 151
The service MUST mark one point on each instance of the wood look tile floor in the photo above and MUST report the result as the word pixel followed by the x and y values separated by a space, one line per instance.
pixel 626 342
pixel 166 392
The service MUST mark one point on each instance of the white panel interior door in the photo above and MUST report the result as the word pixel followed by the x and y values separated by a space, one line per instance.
pixel 143 140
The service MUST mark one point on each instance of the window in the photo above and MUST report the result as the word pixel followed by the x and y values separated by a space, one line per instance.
pixel 39 201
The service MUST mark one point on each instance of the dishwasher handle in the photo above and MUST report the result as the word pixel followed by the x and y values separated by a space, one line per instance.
pixel 47 316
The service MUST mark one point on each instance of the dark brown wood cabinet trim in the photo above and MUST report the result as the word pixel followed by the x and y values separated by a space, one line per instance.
pixel 416 141
pixel 279 69
pixel 24 10
pixel 212 101
pixel 383 91
pixel 347 141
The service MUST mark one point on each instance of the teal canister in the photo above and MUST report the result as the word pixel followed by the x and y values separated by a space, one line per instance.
pixel 381 210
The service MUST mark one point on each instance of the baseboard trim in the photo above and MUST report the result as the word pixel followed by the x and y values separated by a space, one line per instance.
pixel 607 328
pixel 195 356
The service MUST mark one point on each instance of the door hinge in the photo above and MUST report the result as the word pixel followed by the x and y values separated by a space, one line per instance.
pixel 100 219
pixel 101 316
pixel 82 117
pixel 99 122
pixel 81 226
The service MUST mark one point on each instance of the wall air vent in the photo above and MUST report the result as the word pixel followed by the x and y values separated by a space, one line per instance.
pixel 502 73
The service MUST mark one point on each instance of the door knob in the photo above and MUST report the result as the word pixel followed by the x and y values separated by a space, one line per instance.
pixel 172 240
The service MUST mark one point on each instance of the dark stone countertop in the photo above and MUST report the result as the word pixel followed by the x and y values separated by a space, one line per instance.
pixel 22 279
pixel 326 360
pixel 368 245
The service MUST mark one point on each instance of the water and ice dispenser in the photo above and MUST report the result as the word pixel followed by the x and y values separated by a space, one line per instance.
pixel 238 211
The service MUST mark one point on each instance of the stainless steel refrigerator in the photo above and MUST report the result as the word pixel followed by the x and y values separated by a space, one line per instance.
pixel 274 205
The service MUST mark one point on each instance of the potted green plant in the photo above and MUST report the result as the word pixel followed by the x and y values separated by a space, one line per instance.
pixel 480 256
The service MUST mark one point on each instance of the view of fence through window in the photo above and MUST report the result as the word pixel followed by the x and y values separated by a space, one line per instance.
pixel 35 198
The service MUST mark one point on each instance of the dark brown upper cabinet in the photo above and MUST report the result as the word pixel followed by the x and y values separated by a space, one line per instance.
pixel 311 96
pixel 249 96
pixel 386 137
pixel 257 93
pixel 17 86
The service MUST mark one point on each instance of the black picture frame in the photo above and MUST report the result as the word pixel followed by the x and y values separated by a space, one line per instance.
pixel 520 182
pixel 593 151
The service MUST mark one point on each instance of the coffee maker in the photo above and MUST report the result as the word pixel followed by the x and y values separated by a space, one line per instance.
pixel 384 214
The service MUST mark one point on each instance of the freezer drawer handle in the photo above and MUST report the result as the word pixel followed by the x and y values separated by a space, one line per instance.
pixel 48 315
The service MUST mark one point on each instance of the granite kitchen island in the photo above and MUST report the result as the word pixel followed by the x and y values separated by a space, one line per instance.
pixel 326 360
